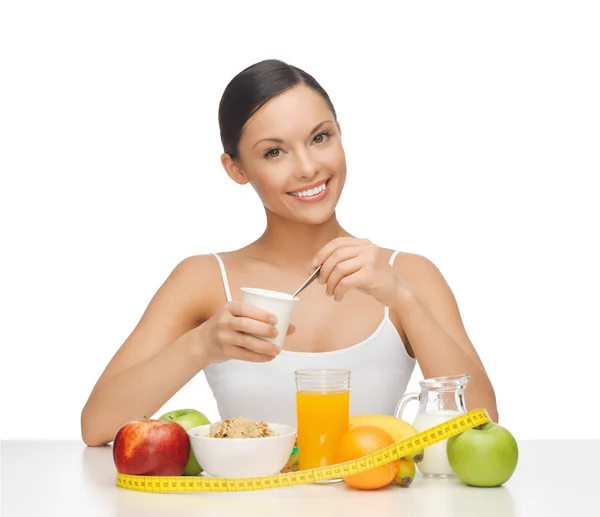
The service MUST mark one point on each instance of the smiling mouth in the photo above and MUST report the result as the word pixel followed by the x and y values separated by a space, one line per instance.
pixel 313 192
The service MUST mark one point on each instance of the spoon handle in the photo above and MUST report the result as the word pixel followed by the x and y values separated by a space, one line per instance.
pixel 308 281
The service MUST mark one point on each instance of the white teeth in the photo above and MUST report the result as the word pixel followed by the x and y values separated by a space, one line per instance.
pixel 311 192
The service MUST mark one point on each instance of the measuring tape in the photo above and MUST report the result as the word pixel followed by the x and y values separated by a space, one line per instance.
pixel 384 456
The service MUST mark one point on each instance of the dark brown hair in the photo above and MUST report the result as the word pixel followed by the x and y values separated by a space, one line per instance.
pixel 251 89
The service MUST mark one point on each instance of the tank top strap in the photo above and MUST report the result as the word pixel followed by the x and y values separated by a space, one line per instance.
pixel 393 257
pixel 386 313
pixel 224 276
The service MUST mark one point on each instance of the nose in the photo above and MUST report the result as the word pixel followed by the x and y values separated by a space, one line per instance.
pixel 306 166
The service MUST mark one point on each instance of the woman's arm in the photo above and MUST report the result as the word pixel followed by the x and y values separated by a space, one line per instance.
pixel 159 357
pixel 429 315
pixel 420 299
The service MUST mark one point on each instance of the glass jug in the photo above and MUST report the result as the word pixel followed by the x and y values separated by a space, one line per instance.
pixel 440 400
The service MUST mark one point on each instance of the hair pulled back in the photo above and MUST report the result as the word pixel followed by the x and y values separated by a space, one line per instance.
pixel 251 89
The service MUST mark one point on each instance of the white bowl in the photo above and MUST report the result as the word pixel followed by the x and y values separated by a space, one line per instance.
pixel 243 457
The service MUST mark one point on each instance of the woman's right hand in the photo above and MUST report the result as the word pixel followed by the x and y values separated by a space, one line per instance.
pixel 227 334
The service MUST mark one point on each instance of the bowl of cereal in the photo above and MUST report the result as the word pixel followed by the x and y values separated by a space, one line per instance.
pixel 239 447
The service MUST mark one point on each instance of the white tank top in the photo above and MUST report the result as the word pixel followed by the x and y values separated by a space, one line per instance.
pixel 380 369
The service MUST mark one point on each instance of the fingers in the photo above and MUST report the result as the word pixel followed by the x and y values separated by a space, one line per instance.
pixel 345 284
pixel 329 248
pixel 252 326
pixel 251 311
pixel 243 354
pixel 341 274
pixel 242 325
pixel 253 344
pixel 338 256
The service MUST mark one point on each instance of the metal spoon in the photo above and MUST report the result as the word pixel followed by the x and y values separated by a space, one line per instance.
pixel 308 281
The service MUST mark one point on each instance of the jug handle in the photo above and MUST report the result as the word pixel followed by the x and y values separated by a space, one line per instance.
pixel 402 403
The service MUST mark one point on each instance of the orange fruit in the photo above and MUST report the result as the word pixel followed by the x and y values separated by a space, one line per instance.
pixel 360 441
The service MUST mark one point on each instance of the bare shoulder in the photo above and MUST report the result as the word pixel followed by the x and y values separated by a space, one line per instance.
pixel 415 265
pixel 433 292
pixel 187 297
pixel 196 280
pixel 196 266
pixel 423 276
pixel 183 301
pixel 411 264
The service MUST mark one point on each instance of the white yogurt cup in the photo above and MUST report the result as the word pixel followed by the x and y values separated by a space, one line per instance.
pixel 280 304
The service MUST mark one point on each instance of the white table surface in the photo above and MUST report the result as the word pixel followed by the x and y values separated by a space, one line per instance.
pixel 47 478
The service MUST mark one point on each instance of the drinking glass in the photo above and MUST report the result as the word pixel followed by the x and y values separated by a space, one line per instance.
pixel 323 412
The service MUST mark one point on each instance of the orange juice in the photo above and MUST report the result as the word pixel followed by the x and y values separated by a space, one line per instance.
pixel 322 422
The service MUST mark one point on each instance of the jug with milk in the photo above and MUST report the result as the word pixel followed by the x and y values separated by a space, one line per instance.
pixel 440 400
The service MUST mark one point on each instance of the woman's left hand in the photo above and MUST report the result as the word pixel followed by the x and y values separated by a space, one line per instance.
pixel 350 263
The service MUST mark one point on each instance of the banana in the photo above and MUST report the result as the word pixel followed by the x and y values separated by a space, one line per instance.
pixel 292 464
pixel 398 428
pixel 407 472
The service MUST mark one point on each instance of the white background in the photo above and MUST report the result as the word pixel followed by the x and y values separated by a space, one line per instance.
pixel 472 136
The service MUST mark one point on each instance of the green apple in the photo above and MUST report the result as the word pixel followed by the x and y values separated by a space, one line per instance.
pixel 485 456
pixel 188 418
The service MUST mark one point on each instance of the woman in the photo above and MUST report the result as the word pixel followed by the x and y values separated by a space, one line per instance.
pixel 374 311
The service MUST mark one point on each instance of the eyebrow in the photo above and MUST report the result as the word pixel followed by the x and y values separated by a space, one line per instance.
pixel 280 141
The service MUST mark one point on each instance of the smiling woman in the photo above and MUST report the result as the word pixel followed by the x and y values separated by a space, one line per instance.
pixel 304 162
pixel 373 311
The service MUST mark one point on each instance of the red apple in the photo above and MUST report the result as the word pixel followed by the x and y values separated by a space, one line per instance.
pixel 151 448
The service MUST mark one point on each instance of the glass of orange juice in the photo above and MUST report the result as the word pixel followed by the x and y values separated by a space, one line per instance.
pixel 323 411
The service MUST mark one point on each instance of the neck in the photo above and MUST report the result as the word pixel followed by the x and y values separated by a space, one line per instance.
pixel 294 244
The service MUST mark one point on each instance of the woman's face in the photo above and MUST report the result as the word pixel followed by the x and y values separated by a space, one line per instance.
pixel 291 152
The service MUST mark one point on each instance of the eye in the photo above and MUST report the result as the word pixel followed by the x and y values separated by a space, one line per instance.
pixel 272 153
pixel 321 137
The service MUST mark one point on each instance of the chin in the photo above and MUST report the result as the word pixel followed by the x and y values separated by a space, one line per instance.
pixel 316 220
pixel 312 215
pixel 309 217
